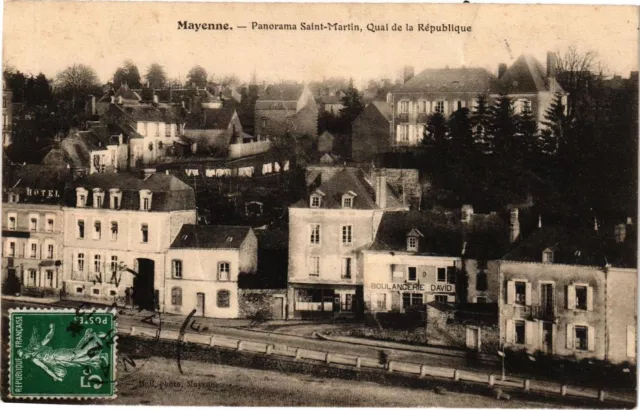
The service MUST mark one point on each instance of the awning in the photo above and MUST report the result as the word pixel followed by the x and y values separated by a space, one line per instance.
pixel 16 234
pixel 46 263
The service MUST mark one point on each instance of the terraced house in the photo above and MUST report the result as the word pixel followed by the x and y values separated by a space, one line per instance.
pixel 571 293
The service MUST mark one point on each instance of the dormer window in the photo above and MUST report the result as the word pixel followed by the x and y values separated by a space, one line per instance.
pixel 98 197
pixel 347 199
pixel 315 200
pixel 81 197
pixel 145 200
pixel 413 240
pixel 13 198
pixel 115 198
pixel 547 256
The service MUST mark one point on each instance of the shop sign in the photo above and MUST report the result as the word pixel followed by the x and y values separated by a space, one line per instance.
pixel 415 287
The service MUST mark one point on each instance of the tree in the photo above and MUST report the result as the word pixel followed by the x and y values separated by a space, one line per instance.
pixel 555 123
pixel 436 131
pixel 526 139
pixel 197 76
pixel 352 107
pixel 502 126
pixel 156 76
pixel 480 121
pixel 127 74
pixel 76 82
pixel 575 73
pixel 461 132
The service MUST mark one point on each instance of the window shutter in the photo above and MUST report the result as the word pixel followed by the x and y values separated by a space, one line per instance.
pixel 511 292
pixel 589 298
pixel 446 108
pixel 428 106
pixel 571 297
pixel 631 341
pixel 74 262
pixel 528 332
pixel 570 336
pixel 527 296
pixel 509 331
pixel 591 338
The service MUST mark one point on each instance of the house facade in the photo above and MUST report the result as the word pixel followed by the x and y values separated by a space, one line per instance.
pixel 371 132
pixel 560 296
pixel 327 232
pixel 202 269
pixel 286 108
pixel 117 230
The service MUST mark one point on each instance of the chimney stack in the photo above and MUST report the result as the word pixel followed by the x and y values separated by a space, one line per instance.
pixel 514 225
pixel 381 191
pixel 502 68
pixel 552 64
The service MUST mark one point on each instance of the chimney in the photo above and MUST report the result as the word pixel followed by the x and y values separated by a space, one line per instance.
pixel 552 64
pixel 155 99
pixel 466 213
pixel 502 68
pixel 381 191
pixel 514 225
pixel 407 73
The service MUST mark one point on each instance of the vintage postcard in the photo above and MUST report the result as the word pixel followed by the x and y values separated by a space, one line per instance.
pixel 319 205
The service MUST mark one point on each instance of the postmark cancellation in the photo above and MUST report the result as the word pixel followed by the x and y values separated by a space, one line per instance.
pixel 62 353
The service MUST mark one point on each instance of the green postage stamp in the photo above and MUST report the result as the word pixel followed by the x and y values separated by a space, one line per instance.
pixel 62 353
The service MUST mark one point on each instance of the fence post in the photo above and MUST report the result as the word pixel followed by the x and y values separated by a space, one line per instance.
pixel 527 385
pixel 269 349
pixel 601 395
pixel 456 375
pixel 298 355
pixel 327 358
pixel 212 341
pixel 390 366
pixel 492 380
pixel 240 345
pixel 133 331
pixel 423 370
pixel 563 390
pixel 358 362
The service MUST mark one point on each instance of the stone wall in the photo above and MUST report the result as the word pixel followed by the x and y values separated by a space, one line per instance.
pixel 445 328
pixel 258 304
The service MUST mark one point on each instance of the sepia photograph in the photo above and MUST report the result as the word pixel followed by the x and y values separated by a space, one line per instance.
pixel 319 205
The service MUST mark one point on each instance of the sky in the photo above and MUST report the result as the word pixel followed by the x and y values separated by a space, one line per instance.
pixel 49 36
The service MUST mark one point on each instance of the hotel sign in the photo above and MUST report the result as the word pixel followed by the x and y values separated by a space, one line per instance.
pixel 415 287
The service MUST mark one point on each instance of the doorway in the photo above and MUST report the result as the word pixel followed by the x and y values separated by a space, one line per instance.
pixel 200 304
pixel 143 285
pixel 547 337
pixel 277 307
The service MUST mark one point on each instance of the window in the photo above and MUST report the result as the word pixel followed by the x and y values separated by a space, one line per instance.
pixel 346 268
pixel 79 290
pixel 381 301
pixel 315 201
pixel 347 202
pixel 547 256
pixel 482 299
pixel 442 274
pixel 223 271
pixel 114 231
pixel 145 200
pixel 176 269
pixel 314 266
pixel 521 292
pixel 481 281
pixel 458 105
pixel 12 249
pixel 32 277
pixel 113 292
pixel 223 299
pixel 97 230
pixel 97 263
pixel 145 204
pixel 581 297
pixel 80 261
pixel 81 197
pixel 144 230
pixel 412 243
pixel 49 251
pixel 404 107
pixel 115 198
pixel 519 332
pixel 422 107
pixel 13 198
pixel 114 264
pixel 49 276
pixel 441 298
pixel 581 338
pixel 176 296
pixel 80 229
pixel 98 197
pixel 49 226
pixel 12 222
pixel 315 234
pixel 95 291
pixel 33 250
pixel 439 107
pixel 403 133
pixel 413 274
pixel 33 223
pixel 411 299
pixel 451 274
pixel 347 231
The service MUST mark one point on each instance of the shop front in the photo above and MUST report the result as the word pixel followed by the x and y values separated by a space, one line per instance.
pixel 323 301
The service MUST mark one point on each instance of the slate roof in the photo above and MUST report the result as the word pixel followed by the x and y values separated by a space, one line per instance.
pixel 525 75
pixel 346 180
pixel 384 108
pixel 277 105
pixel 282 92
pixel 485 237
pixel 37 176
pixel 211 119
pixel 124 91
pixel 571 247
pixel 450 79
pixel 169 192
pixel 210 237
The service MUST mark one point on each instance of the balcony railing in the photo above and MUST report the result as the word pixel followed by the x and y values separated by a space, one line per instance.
pixel 543 312
pixel 402 117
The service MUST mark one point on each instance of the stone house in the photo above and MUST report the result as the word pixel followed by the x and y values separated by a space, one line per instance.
pixel 283 108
